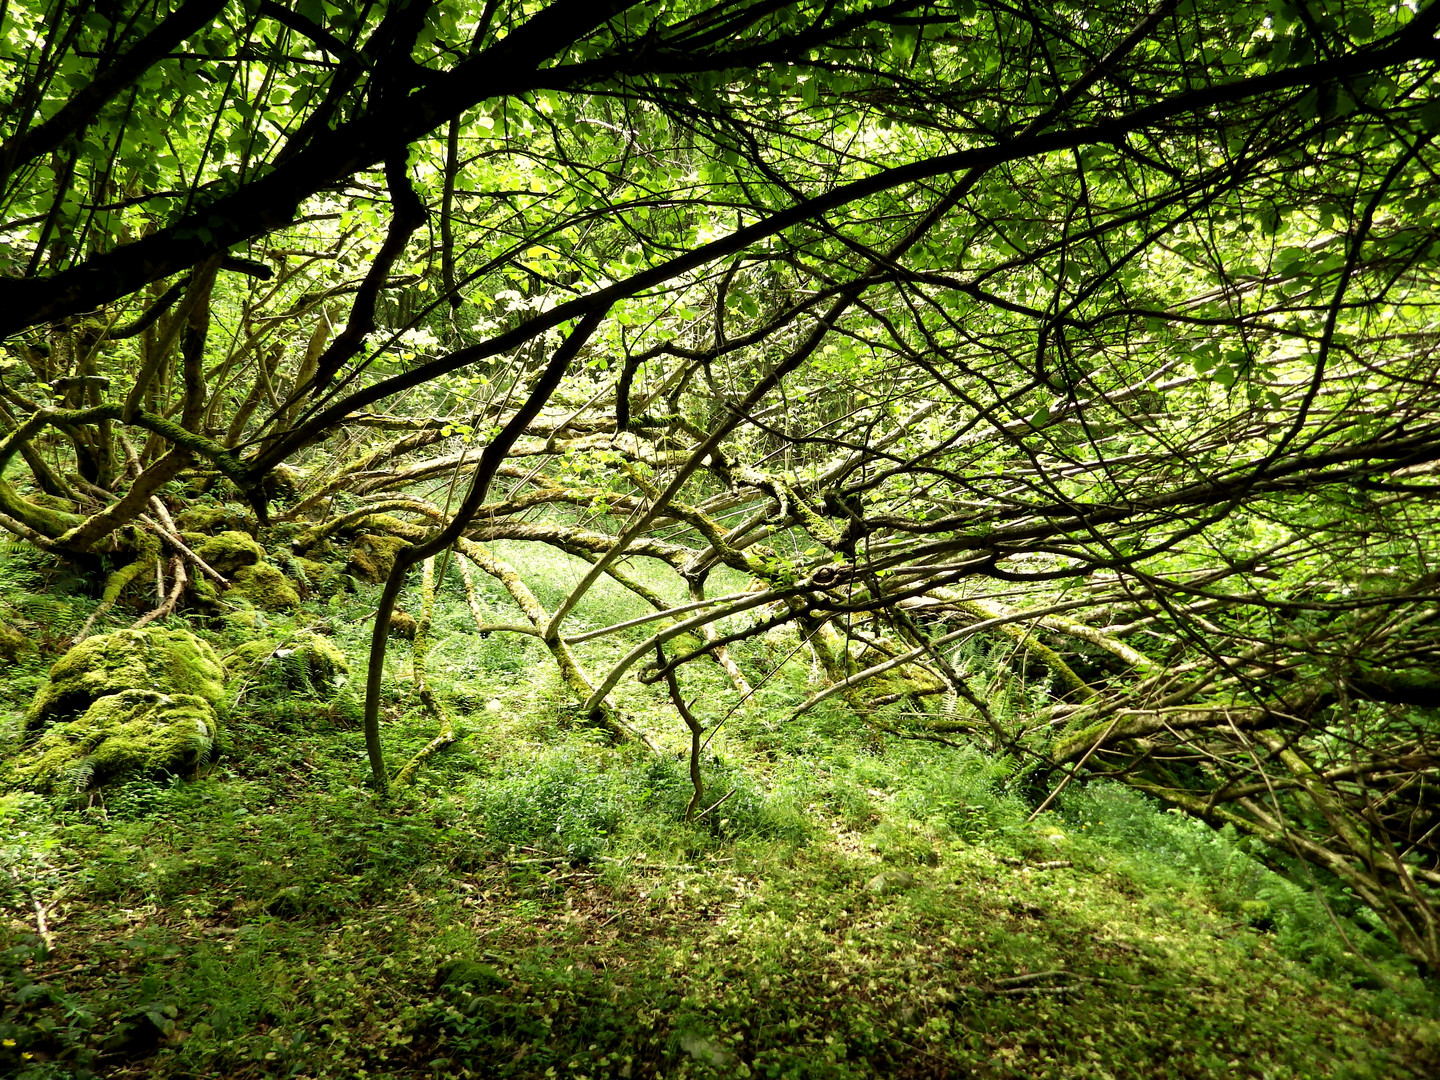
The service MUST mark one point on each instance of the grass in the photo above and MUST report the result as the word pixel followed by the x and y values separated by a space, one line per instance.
pixel 536 906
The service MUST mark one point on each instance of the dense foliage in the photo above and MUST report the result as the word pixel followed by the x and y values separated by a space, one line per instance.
pixel 1058 380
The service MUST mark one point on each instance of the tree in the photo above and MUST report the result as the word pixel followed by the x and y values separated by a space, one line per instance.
pixel 1067 369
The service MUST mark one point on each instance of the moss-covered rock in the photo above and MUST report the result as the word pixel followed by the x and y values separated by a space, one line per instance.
pixel 243 619
pixel 212 518
pixel 170 662
pixel 308 665
pixel 237 556
pixel 325 664
pixel 403 625
pixel 282 484
pixel 372 556
pixel 13 644
pixel 244 661
pixel 314 571
pixel 135 702
pixel 133 732
pixel 264 586
pixel 324 579
pixel 230 551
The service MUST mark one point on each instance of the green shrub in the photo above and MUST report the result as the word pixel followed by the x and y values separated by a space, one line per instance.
pixel 559 803
pixel 960 792
pixel 734 807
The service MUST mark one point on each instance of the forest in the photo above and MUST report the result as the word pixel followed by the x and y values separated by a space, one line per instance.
pixel 719 538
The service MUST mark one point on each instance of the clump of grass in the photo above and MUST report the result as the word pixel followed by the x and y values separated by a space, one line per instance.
pixel 577 801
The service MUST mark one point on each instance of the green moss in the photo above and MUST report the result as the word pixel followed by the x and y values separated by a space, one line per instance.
pixel 1076 742
pixel 55 502
pixel 283 484
pixel 265 587
pixel 324 578
pixel 13 644
pixel 308 665
pixel 42 519
pixel 314 571
pixel 230 551
pixel 403 625
pixel 229 517
pixel 372 556
pixel 165 661
pixel 237 556
pixel 244 619
pixel 323 662
pixel 200 520
pixel 132 732
pixel 244 660
pixel 147 550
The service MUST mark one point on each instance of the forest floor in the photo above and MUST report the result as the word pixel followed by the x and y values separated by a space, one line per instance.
pixel 535 906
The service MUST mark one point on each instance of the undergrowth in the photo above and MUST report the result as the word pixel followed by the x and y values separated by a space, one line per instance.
pixel 847 904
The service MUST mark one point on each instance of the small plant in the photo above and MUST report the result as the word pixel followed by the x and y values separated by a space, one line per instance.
pixel 45 1030
pixel 961 791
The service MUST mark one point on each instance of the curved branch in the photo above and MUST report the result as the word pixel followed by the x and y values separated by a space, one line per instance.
pixel 490 460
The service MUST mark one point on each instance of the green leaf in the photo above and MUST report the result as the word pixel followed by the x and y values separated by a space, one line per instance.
pixel 1429 114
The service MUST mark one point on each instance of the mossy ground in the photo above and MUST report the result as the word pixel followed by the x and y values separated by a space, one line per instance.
pixel 535 907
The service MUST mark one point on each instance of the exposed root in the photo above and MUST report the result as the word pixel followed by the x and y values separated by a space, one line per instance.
pixel 167 605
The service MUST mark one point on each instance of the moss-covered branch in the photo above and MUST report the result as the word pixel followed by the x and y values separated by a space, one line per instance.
pixel 419 654
pixel 70 530
pixel 570 669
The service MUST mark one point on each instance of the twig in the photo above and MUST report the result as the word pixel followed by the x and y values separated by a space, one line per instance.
pixel 1025 985
pixel 173 539
pixel 1033 977
pixel 684 867
pixel 716 803
pixel 43 927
